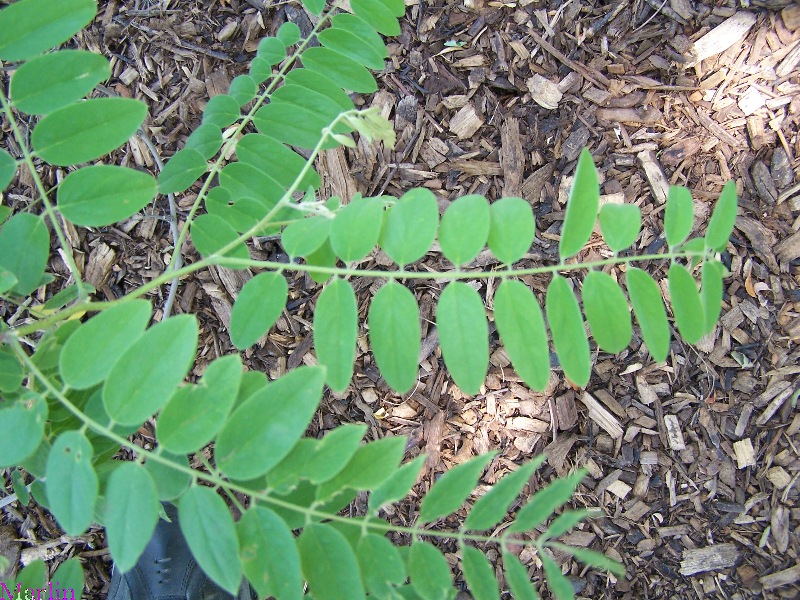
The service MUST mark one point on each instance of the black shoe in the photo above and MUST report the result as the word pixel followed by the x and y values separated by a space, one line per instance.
pixel 168 571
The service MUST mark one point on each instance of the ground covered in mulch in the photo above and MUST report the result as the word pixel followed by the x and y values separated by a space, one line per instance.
pixel 694 461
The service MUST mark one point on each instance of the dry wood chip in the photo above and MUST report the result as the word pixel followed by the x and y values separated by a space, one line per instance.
pixel 466 122
pixel 566 411
pixel 619 488
pixel 637 512
pixel 655 176
pixel 722 37
pixel 779 520
pixel 710 558
pixel 745 455
pixel 544 92
pixel 98 268
pixel 527 424
pixel 645 115
pixel 773 406
pixel 557 451
pixel 674 433
pixel 789 249
pixel 786 577
pixel 602 417
pixel 789 63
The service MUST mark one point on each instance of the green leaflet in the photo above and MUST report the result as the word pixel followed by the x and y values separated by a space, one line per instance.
pixel 25 418
pixel 686 304
pixel 209 530
pixel 145 376
pixel 410 226
pixel 271 50
pixel 321 257
pixel 606 310
pixel 71 482
pixel 649 309
pixel 479 574
pixel 544 503
pixel 320 88
pixel 282 163
pixel 582 207
pixel 361 30
pixel 371 465
pixel 206 139
pixel 356 228
pixel 592 558
pixel 560 586
pixel 346 43
pixel 261 69
pixel 243 88
pixel 394 333
pixel 521 325
pixel 305 236
pixel 31 27
pixel 569 335
pixel 182 169
pixel 211 233
pixel 310 100
pixel 492 507
pixel 27 231
pixel 100 195
pixel 306 128
pixel 518 579
pixel 378 15
pixel 8 167
pixel 257 307
pixel 195 413
pixel 335 330
pixel 87 130
pixel 246 181
pixel 397 485
pixel 92 350
pixel 241 214
pixel 678 215
pixel 511 229
pixel 270 558
pixel 382 567
pixel 221 110
pixel 54 80
pixel 453 488
pixel 463 335
pixel 314 6
pixel 464 228
pixel 170 483
pixel 564 522
pixel 620 224
pixel 10 371
pixel 329 564
pixel 345 71
pixel 131 514
pixel 7 280
pixel 262 431
pixel 429 572
pixel 288 33
pixel 711 293
pixel 33 576
pixel 70 575
pixel 723 219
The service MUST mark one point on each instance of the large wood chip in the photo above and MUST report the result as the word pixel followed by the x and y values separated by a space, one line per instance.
pixel 745 455
pixel 655 176
pixel 722 37
pixel 466 122
pixel 674 433
pixel 602 417
pixel 98 268
pixel 544 92
pixel 788 576
pixel 710 558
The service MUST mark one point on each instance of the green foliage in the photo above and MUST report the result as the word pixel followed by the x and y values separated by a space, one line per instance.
pixel 73 401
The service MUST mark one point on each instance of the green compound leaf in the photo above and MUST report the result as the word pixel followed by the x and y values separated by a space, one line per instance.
pixel 678 215
pixel 382 567
pixel 521 325
pixel 620 224
pixel 26 418
pixel 686 304
pixel 10 371
pixel 272 50
pixel 283 164
pixel 394 333
pixel 592 558
pixel 209 530
pixel 564 522
pixel 132 508
pixel 723 219
pixel 463 335
pixel 269 554
pixel 182 170
pixel 340 68
pixel 258 306
pixel 211 233
pixel 356 228
pixel 221 110
pixel 8 167
pixel 429 572
pixel 27 231
pixel 582 207
pixel 397 486
pixel 335 331
pixel 569 334
pixel 348 44
pixel 70 575
pixel 52 81
pixel 170 482
pixel 479 574
pixel 195 413
pixel 378 15
pixel 329 564
pixel 371 465
pixel 71 482
pixel 492 507
pixel 606 310
pixel 305 236
pixel 410 226
pixel 511 229
pixel 87 130
pixel 545 502
pixel 100 195
pixel 649 309
pixel 263 429
pixel 244 88
pixel 449 492
pixel 144 377
pixel 31 27
pixel 560 586
pixel 517 577
pixel 92 350
pixel 206 139
pixel 464 228
pixel 711 293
